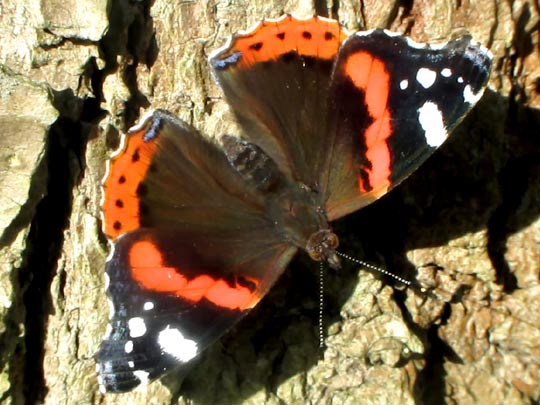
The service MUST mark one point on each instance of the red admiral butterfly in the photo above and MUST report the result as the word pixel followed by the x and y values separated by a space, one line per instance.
pixel 201 232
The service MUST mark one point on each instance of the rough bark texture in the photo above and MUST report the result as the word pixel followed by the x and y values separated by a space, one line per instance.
pixel 73 74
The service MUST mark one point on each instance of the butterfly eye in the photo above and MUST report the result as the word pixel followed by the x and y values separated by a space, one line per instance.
pixel 332 241
pixel 315 255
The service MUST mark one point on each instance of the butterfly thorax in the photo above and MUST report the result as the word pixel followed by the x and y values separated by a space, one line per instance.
pixel 303 218
pixel 296 209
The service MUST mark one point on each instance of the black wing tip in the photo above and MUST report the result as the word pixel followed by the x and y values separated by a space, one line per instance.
pixel 114 377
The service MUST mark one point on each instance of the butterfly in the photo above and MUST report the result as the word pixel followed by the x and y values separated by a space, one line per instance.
pixel 202 229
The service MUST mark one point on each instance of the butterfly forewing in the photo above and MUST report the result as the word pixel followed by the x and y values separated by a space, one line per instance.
pixel 282 70
pixel 393 102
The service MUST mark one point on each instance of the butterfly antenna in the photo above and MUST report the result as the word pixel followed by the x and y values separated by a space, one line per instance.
pixel 321 304
pixel 408 283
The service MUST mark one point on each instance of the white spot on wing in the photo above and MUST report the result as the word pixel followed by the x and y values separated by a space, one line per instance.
pixel 111 308
pixel 437 46
pixel 426 77
pixel 173 342
pixel 419 45
pixel 486 51
pixel 137 327
pixel 147 116
pixel 431 120
pixel 111 244
pixel 102 388
pixel 128 347
pixel 131 364
pixel 446 72
pixel 392 33
pixel 142 376
pixel 364 33
pixel 108 331
pixel 460 79
pixel 403 84
pixel 148 305
pixel 414 44
pixel 470 96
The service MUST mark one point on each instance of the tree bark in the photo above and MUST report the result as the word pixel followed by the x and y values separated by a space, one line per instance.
pixel 74 75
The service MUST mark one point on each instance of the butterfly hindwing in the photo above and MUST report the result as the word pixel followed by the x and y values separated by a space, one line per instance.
pixel 171 297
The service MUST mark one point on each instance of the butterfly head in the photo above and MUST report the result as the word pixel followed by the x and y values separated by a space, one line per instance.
pixel 322 245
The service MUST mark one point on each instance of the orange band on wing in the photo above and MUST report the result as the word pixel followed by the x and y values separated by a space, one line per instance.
pixel 126 171
pixel 316 37
pixel 370 75
pixel 148 269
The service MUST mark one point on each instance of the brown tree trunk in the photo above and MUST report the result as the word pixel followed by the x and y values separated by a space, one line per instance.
pixel 74 74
